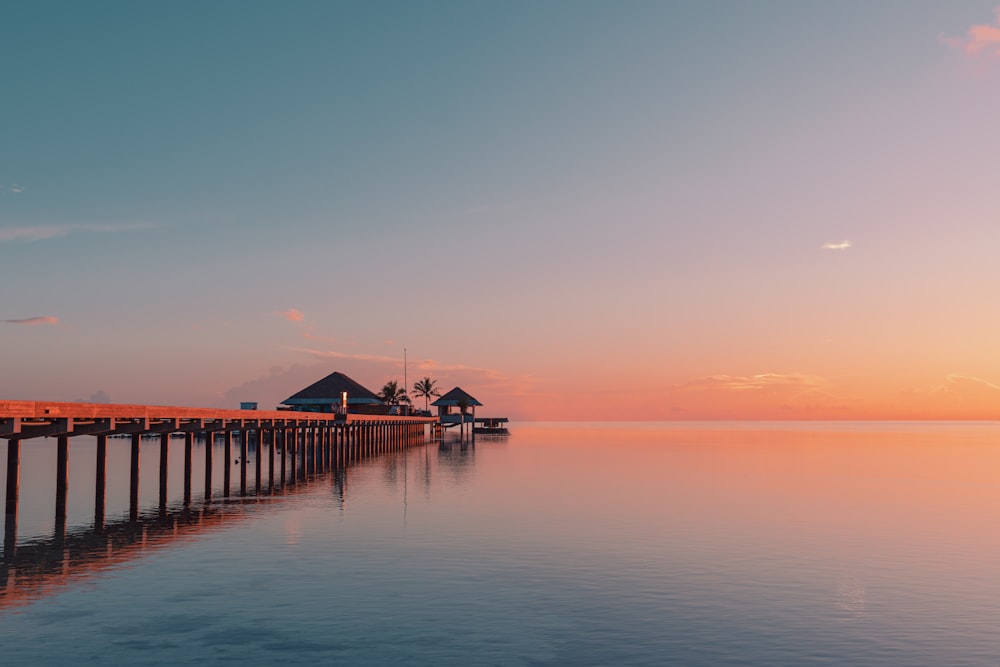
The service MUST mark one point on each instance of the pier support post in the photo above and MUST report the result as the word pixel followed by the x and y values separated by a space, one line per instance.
pixel 327 449
pixel 342 446
pixel 284 452
pixel 308 451
pixel 312 450
pixel 188 446
pixel 331 438
pixel 259 460
pixel 100 482
pixel 13 488
pixel 293 454
pixel 227 474
pixel 133 496
pixel 270 459
pixel 62 485
pixel 164 446
pixel 244 450
pixel 209 441
pixel 302 450
pixel 321 447
pixel 317 449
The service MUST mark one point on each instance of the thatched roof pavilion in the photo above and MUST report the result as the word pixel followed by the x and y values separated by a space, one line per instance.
pixel 456 397
pixel 461 399
pixel 325 395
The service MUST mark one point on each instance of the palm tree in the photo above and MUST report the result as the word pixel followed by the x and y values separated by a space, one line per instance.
pixel 393 394
pixel 427 390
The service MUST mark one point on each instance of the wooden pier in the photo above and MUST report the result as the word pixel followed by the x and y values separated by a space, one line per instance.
pixel 297 444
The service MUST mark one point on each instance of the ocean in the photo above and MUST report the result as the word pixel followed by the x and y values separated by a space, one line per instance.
pixel 791 543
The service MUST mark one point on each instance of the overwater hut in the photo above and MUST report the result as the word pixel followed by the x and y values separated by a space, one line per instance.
pixel 327 395
pixel 460 401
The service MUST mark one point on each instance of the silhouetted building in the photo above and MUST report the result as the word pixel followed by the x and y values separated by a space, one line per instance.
pixel 327 395
pixel 456 398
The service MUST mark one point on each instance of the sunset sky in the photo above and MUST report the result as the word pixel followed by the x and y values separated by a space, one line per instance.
pixel 574 210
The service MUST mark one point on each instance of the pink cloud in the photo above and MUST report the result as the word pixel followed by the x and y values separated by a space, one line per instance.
pixel 46 232
pixel 430 365
pixel 753 382
pixel 312 335
pixel 332 354
pixel 31 321
pixel 292 315
pixel 36 233
pixel 980 38
pixel 955 383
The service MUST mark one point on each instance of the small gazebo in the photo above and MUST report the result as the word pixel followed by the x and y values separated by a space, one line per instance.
pixel 327 395
pixel 456 398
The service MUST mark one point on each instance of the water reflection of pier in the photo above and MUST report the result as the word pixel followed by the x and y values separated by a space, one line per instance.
pixel 293 447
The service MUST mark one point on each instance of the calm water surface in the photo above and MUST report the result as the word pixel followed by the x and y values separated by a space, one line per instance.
pixel 565 544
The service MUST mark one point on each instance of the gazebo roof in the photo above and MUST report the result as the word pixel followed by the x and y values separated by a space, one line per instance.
pixel 455 396
pixel 329 389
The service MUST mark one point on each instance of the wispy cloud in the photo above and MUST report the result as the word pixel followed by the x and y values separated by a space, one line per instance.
pixel 292 315
pixel 953 382
pixel 980 39
pixel 15 188
pixel 842 245
pixel 754 382
pixel 429 366
pixel 311 334
pixel 31 321
pixel 44 232
pixel 432 366
pixel 333 354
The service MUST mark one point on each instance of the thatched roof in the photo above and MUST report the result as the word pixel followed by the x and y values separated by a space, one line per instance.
pixel 329 389
pixel 454 396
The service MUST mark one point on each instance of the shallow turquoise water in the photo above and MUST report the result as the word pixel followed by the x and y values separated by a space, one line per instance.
pixel 566 544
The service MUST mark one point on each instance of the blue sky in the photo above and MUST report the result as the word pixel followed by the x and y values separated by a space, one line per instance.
pixel 513 191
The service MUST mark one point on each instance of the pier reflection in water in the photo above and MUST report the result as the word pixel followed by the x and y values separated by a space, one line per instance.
pixel 137 508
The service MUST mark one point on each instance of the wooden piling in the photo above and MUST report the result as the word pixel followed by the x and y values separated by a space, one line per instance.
pixel 188 446
pixel 100 482
pixel 227 470
pixel 13 489
pixel 258 460
pixel 164 458
pixel 270 458
pixel 62 484
pixel 244 450
pixel 284 450
pixel 209 441
pixel 293 442
pixel 133 496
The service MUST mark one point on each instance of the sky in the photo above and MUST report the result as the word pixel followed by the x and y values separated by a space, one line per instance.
pixel 573 210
